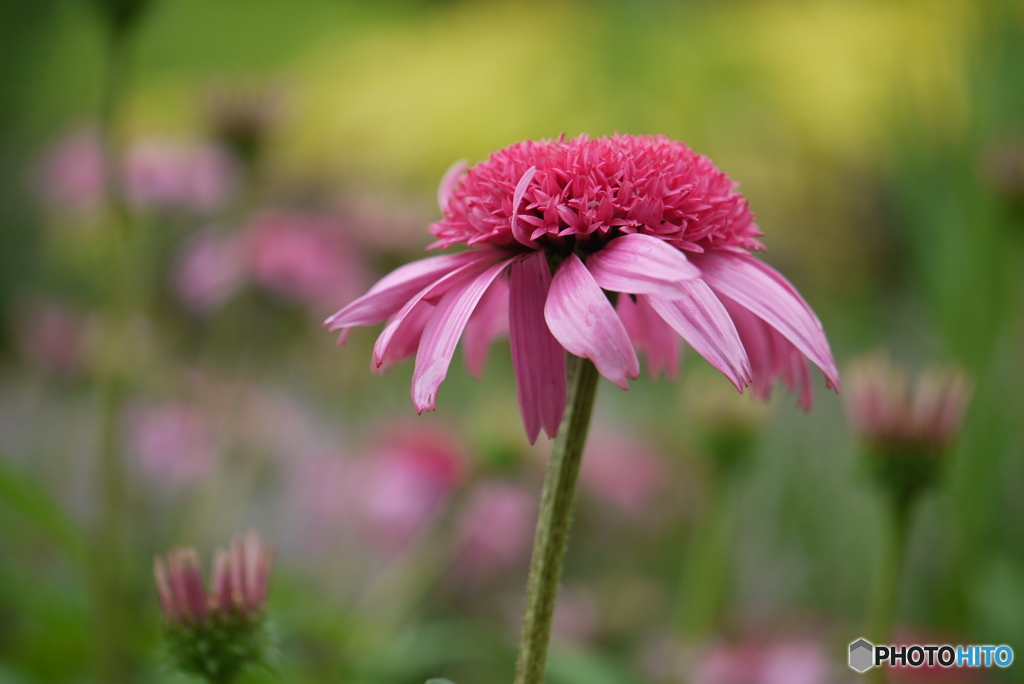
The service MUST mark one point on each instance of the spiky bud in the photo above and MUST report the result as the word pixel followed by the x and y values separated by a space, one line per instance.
pixel 216 634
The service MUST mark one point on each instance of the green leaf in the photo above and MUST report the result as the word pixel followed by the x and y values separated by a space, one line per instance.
pixel 35 504
pixel 439 681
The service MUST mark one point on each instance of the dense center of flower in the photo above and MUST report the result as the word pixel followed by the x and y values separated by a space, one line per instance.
pixel 566 195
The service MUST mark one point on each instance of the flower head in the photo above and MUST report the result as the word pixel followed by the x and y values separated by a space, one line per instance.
pixel 600 248
pixel 219 632
pixel 906 424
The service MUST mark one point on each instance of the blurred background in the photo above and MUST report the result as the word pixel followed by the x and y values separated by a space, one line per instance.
pixel 164 379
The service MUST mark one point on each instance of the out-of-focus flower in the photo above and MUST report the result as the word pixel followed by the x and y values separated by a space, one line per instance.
pixel 164 174
pixel 242 116
pixel 644 217
pixel 495 528
pixel 726 424
pixel 893 412
pixel 216 633
pixel 784 662
pixel 303 257
pixel 72 172
pixel 210 268
pixel 621 470
pixel 171 442
pixel 51 335
pixel 406 482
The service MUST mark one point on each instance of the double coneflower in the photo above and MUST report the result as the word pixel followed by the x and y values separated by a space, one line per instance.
pixel 599 248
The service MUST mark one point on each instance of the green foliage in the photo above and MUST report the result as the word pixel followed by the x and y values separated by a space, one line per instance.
pixel 222 648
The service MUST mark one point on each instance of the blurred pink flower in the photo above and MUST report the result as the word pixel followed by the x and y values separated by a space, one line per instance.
pixel 494 530
pixel 783 662
pixel 241 577
pixel 303 257
pixel 210 268
pixel 72 171
pixel 891 410
pixel 171 442
pixel 170 174
pixel 621 470
pixel 51 335
pixel 641 216
pixel 406 482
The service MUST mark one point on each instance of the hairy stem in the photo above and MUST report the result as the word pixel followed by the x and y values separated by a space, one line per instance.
pixel 554 521
pixel 886 592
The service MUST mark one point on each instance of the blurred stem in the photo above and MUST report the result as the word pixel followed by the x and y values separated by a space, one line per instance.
pixel 120 290
pixel 706 570
pixel 115 72
pixel 554 521
pixel 883 603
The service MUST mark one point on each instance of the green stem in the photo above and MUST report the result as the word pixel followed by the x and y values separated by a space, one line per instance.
pixel 554 521
pixel 883 604
pixel 109 577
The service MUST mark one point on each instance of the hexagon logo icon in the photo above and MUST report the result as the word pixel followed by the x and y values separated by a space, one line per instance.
pixel 861 655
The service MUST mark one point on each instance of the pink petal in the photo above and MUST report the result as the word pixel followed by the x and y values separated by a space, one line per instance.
pixel 522 234
pixel 651 335
pixel 702 321
pixel 580 316
pixel 448 182
pixel 430 293
pixel 406 339
pixel 641 264
pixel 537 358
pixel 220 585
pixel 771 355
pixel 442 334
pixel 394 289
pixel 764 292
pixel 488 322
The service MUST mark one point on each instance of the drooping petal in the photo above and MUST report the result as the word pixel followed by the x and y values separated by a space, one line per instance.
pixel 764 292
pixel 522 234
pixel 771 355
pixel 641 264
pixel 393 290
pixel 406 339
pixel 651 335
pixel 431 293
pixel 448 182
pixel 442 333
pixel 488 322
pixel 705 324
pixel 582 319
pixel 537 357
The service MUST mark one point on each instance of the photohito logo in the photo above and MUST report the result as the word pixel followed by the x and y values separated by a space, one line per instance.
pixel 864 655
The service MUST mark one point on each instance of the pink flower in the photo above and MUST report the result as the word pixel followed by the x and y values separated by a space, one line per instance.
pixel 172 442
pixel 892 411
pixel 621 470
pixel 241 577
pixel 558 225
pixel 786 662
pixel 302 257
pixel 495 529
pixel 406 483
pixel 167 174
pixel 72 173
pixel 210 269
pixel 52 335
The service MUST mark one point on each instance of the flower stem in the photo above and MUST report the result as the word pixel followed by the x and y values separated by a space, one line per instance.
pixel 554 521
pixel 883 604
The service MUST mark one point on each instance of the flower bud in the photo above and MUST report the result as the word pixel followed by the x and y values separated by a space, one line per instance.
pixel 216 634
pixel 905 424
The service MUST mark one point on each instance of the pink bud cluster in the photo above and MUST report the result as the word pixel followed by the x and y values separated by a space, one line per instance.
pixel 239 585
pixel 890 408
